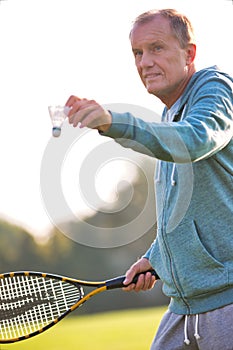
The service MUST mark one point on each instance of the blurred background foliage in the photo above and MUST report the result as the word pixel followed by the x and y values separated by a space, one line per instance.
pixel 19 250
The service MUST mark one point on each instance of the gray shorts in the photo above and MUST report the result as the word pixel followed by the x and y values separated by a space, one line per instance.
pixel 208 331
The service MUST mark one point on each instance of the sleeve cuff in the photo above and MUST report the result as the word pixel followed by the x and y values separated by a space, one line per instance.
pixel 120 122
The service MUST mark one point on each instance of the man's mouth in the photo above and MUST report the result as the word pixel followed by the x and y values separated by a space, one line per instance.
pixel 151 76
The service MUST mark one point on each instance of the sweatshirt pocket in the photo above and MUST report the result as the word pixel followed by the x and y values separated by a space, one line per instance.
pixel 196 270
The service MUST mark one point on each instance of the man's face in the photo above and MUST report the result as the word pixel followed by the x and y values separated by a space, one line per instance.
pixel 160 60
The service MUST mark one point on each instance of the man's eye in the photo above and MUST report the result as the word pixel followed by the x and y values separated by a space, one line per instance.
pixel 137 53
pixel 157 48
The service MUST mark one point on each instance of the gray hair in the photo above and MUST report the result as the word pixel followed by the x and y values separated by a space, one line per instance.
pixel 179 23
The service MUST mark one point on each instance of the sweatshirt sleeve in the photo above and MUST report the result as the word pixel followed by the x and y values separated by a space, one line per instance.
pixel 206 127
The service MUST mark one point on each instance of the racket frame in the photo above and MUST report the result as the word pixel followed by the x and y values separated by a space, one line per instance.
pixel 99 286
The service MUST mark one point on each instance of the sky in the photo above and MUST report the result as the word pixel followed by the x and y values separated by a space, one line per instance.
pixel 51 49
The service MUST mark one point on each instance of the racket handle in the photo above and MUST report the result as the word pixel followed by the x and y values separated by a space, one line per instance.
pixel 118 281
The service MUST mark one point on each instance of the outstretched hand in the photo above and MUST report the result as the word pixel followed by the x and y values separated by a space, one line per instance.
pixel 88 113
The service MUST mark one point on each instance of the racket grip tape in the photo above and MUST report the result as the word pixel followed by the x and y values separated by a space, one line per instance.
pixel 118 281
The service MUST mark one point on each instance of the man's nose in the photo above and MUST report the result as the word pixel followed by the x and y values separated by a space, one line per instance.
pixel 146 60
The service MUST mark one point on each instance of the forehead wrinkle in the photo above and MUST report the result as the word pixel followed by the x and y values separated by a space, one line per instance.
pixel 154 37
pixel 161 30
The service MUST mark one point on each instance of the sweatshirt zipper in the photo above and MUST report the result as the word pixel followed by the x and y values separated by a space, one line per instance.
pixel 166 245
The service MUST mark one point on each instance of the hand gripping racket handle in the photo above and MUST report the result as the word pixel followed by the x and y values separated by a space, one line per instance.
pixel 118 281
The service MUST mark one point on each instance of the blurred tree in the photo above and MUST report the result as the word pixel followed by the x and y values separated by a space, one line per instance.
pixel 18 248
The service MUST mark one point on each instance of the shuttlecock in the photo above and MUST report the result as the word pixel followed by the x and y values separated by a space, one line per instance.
pixel 57 114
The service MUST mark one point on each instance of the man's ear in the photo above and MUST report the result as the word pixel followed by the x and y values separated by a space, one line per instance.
pixel 190 53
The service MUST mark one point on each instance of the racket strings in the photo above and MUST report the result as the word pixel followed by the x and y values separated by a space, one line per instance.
pixel 30 303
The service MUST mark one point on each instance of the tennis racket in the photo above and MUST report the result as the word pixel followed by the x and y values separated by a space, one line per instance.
pixel 32 302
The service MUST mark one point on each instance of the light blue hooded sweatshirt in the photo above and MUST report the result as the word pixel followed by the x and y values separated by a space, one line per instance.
pixel 193 249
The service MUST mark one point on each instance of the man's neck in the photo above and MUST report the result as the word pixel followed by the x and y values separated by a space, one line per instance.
pixel 169 100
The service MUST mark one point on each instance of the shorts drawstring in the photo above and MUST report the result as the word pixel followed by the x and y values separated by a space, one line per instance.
pixel 196 334
pixel 186 339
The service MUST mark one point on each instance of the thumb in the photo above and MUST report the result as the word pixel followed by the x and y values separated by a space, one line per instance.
pixel 130 275
pixel 141 265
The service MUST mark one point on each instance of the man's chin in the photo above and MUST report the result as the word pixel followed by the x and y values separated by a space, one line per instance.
pixel 151 89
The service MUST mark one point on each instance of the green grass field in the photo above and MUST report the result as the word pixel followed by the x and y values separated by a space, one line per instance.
pixel 120 330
